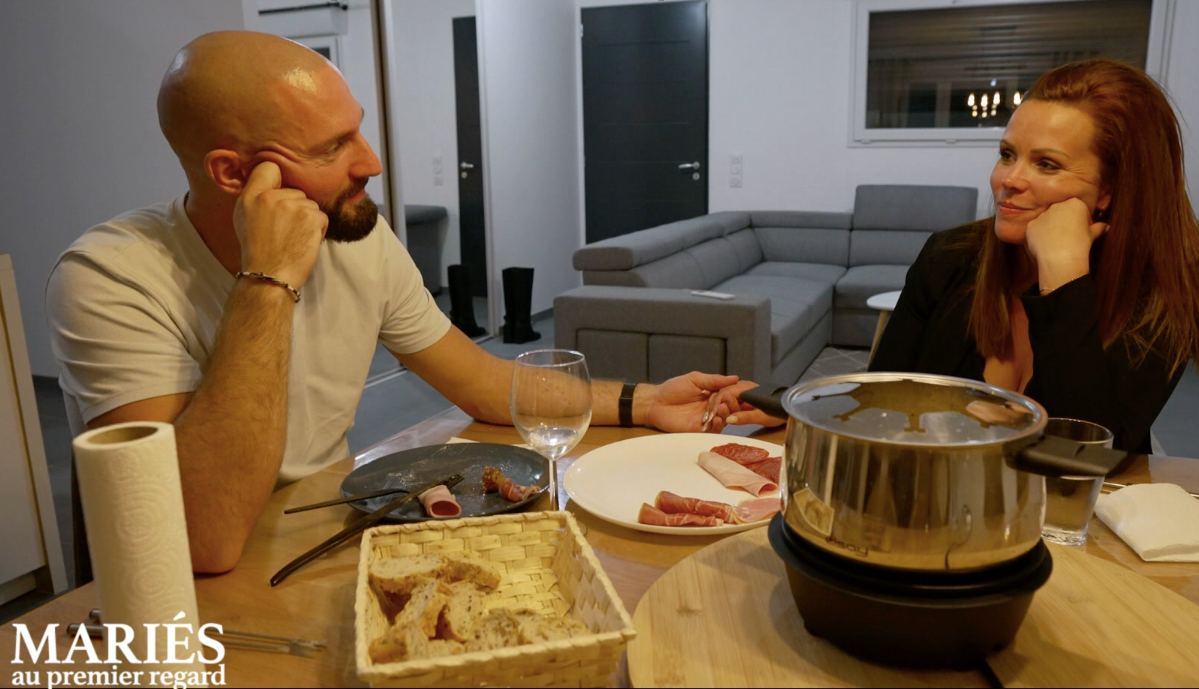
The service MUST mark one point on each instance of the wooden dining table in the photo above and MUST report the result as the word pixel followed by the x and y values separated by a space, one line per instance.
pixel 317 602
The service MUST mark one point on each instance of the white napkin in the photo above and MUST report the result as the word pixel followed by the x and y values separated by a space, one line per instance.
pixel 1160 521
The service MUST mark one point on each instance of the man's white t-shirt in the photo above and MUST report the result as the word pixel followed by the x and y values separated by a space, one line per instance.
pixel 135 304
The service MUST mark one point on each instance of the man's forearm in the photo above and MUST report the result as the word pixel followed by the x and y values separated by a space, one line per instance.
pixel 232 434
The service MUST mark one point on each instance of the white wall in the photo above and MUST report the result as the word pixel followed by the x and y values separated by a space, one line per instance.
pixel 530 143
pixel 80 127
pixel 780 96
pixel 1182 82
pixel 421 108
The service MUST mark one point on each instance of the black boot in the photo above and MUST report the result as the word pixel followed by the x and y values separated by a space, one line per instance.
pixel 462 307
pixel 518 303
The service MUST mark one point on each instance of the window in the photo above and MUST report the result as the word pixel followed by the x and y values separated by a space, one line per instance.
pixel 935 71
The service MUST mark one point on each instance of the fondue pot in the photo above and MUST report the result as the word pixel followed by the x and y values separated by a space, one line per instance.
pixel 920 472
pixel 913 508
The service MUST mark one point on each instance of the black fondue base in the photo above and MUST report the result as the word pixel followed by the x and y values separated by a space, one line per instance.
pixel 903 618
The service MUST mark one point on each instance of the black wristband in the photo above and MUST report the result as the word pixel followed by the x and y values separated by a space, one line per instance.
pixel 625 407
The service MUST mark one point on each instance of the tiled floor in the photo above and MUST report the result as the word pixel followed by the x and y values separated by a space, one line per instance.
pixel 395 399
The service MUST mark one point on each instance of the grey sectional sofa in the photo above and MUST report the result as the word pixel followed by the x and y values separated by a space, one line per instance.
pixel 799 280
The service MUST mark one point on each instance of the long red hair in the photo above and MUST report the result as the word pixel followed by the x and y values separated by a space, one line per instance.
pixel 1146 266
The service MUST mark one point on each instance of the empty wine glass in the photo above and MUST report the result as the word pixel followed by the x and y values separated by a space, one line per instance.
pixel 551 404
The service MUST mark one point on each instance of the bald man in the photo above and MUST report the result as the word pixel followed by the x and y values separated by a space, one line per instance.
pixel 247 311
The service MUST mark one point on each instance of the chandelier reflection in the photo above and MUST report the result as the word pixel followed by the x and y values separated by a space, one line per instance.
pixel 988 105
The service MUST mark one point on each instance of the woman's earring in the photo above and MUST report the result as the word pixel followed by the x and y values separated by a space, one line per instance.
pixel 1099 215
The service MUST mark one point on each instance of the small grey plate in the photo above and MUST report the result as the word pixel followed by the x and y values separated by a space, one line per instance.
pixel 420 464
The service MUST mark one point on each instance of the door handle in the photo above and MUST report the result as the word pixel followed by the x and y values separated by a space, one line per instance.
pixel 466 166
pixel 689 166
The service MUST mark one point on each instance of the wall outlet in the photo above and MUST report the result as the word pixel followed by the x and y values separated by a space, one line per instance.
pixel 735 181
pixel 736 159
pixel 437 164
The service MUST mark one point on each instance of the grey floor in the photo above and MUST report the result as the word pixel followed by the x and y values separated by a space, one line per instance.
pixel 394 399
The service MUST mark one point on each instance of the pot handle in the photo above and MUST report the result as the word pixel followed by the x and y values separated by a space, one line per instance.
pixel 1054 456
pixel 770 402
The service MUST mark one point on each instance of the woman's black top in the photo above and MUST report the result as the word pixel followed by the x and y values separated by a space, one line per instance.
pixel 1073 375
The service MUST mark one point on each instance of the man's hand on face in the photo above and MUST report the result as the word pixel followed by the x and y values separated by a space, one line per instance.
pixel 280 230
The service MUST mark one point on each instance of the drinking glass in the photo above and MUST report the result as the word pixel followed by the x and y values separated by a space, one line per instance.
pixel 1070 500
pixel 551 404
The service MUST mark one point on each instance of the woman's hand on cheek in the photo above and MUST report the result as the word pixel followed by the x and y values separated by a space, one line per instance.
pixel 1060 241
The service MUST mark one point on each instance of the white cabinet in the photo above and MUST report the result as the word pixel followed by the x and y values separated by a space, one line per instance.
pixel 32 551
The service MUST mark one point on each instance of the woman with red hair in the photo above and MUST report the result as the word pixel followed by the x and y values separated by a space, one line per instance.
pixel 1083 290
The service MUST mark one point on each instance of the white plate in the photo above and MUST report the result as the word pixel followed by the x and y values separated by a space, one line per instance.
pixel 612 481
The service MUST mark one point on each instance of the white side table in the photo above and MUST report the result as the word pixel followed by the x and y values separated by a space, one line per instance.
pixel 884 303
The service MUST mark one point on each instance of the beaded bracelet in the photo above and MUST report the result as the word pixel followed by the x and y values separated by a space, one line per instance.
pixel 295 293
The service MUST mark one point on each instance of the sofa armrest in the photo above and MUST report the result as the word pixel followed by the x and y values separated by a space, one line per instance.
pixel 742 323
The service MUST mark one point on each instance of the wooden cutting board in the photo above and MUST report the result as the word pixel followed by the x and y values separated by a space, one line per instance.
pixel 725 617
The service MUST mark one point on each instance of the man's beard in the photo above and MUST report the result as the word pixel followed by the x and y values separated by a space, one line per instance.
pixel 349 222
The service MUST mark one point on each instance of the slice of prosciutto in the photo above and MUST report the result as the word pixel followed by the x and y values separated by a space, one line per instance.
pixel 741 454
pixel 757 509
pixel 756 459
pixel 656 517
pixel 495 481
pixel 440 502
pixel 767 468
pixel 671 503
pixel 733 475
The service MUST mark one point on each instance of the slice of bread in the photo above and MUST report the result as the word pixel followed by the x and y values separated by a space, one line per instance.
pixel 534 627
pixel 398 576
pixel 462 612
pixel 424 607
pixel 478 572
pixel 498 629
pixel 443 647
pixel 397 644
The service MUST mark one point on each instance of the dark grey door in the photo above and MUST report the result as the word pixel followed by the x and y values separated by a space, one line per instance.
pixel 645 115
pixel 471 226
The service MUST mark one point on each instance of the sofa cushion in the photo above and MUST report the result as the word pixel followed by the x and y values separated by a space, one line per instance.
pixel 803 236
pixel 862 282
pixel 638 248
pixel 879 247
pixel 816 219
pixel 796 305
pixel 716 261
pixel 731 221
pixel 745 245
pixel 817 272
pixel 921 207
pixel 679 270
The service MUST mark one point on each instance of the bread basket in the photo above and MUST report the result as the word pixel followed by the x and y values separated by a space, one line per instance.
pixel 547 565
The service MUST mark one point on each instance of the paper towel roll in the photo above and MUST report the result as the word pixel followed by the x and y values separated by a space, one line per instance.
pixel 137 533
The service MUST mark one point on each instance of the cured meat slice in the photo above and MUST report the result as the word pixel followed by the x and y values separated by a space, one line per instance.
pixel 756 509
pixel 495 481
pixel 756 459
pixel 733 475
pixel 741 454
pixel 656 517
pixel 440 502
pixel 767 468
pixel 671 503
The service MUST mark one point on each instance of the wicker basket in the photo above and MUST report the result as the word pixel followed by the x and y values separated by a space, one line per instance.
pixel 546 564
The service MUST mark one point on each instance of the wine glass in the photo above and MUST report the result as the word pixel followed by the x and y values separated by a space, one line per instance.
pixel 551 404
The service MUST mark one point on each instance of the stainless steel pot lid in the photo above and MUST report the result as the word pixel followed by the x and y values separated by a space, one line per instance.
pixel 914 409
